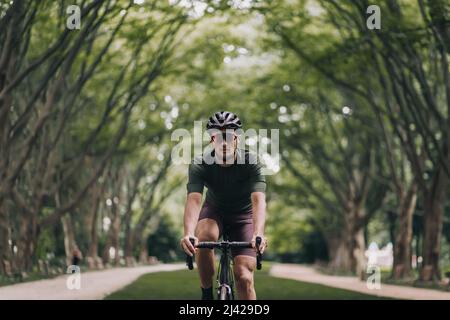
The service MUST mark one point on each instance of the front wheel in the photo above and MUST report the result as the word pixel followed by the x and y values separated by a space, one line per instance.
pixel 225 293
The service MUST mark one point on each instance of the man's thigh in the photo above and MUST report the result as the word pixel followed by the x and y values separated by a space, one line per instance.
pixel 241 229
pixel 209 224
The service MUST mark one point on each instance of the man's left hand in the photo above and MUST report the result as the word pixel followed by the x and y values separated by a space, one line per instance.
pixel 263 244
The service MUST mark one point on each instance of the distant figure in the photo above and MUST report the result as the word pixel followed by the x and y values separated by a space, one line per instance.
pixel 76 256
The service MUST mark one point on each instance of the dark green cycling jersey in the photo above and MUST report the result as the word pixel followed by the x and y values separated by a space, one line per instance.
pixel 229 188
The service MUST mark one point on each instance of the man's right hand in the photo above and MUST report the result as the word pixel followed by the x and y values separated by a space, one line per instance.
pixel 187 245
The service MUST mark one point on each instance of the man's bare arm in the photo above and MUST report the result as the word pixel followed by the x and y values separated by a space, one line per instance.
pixel 191 213
pixel 259 216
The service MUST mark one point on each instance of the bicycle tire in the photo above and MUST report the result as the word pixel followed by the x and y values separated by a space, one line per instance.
pixel 224 294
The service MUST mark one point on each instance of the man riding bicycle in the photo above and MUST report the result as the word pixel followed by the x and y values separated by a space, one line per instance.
pixel 235 202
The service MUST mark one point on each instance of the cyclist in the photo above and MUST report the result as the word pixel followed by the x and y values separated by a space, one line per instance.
pixel 235 201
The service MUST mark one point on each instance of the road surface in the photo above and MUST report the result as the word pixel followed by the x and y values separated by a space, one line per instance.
pixel 309 274
pixel 93 284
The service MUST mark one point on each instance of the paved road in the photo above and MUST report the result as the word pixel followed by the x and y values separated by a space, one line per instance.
pixel 94 284
pixel 98 284
pixel 308 274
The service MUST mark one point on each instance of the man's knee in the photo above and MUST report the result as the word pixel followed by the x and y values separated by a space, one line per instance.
pixel 207 235
pixel 244 275
pixel 207 230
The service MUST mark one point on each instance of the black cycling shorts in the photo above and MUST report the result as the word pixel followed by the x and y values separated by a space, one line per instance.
pixel 238 226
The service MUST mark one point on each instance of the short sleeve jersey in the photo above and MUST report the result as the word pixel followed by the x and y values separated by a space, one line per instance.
pixel 229 187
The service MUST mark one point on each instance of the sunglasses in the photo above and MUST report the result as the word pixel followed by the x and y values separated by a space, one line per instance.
pixel 225 136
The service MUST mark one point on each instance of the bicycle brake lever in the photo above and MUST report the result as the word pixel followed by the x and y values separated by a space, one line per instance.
pixel 189 259
pixel 258 241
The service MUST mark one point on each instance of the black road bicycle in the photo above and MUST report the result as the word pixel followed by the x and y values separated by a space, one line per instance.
pixel 225 276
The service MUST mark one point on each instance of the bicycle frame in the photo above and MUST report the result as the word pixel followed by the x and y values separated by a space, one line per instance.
pixel 225 276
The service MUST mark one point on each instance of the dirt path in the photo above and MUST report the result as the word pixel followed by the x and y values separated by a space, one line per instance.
pixel 308 274
pixel 94 284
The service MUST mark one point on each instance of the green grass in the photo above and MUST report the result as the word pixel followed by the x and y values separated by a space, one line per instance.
pixel 178 285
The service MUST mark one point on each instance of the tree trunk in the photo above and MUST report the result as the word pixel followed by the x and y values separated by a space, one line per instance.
pixel 5 249
pixel 339 253
pixel 433 218
pixel 392 219
pixel 347 250
pixel 115 237
pixel 112 240
pixel 69 237
pixel 128 250
pixel 26 244
pixel 130 259
pixel 129 232
pixel 357 258
pixel 92 256
pixel 402 249
pixel 143 253
pixel 106 249
pixel 354 235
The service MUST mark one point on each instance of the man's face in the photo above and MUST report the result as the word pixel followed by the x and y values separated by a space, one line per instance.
pixel 225 143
